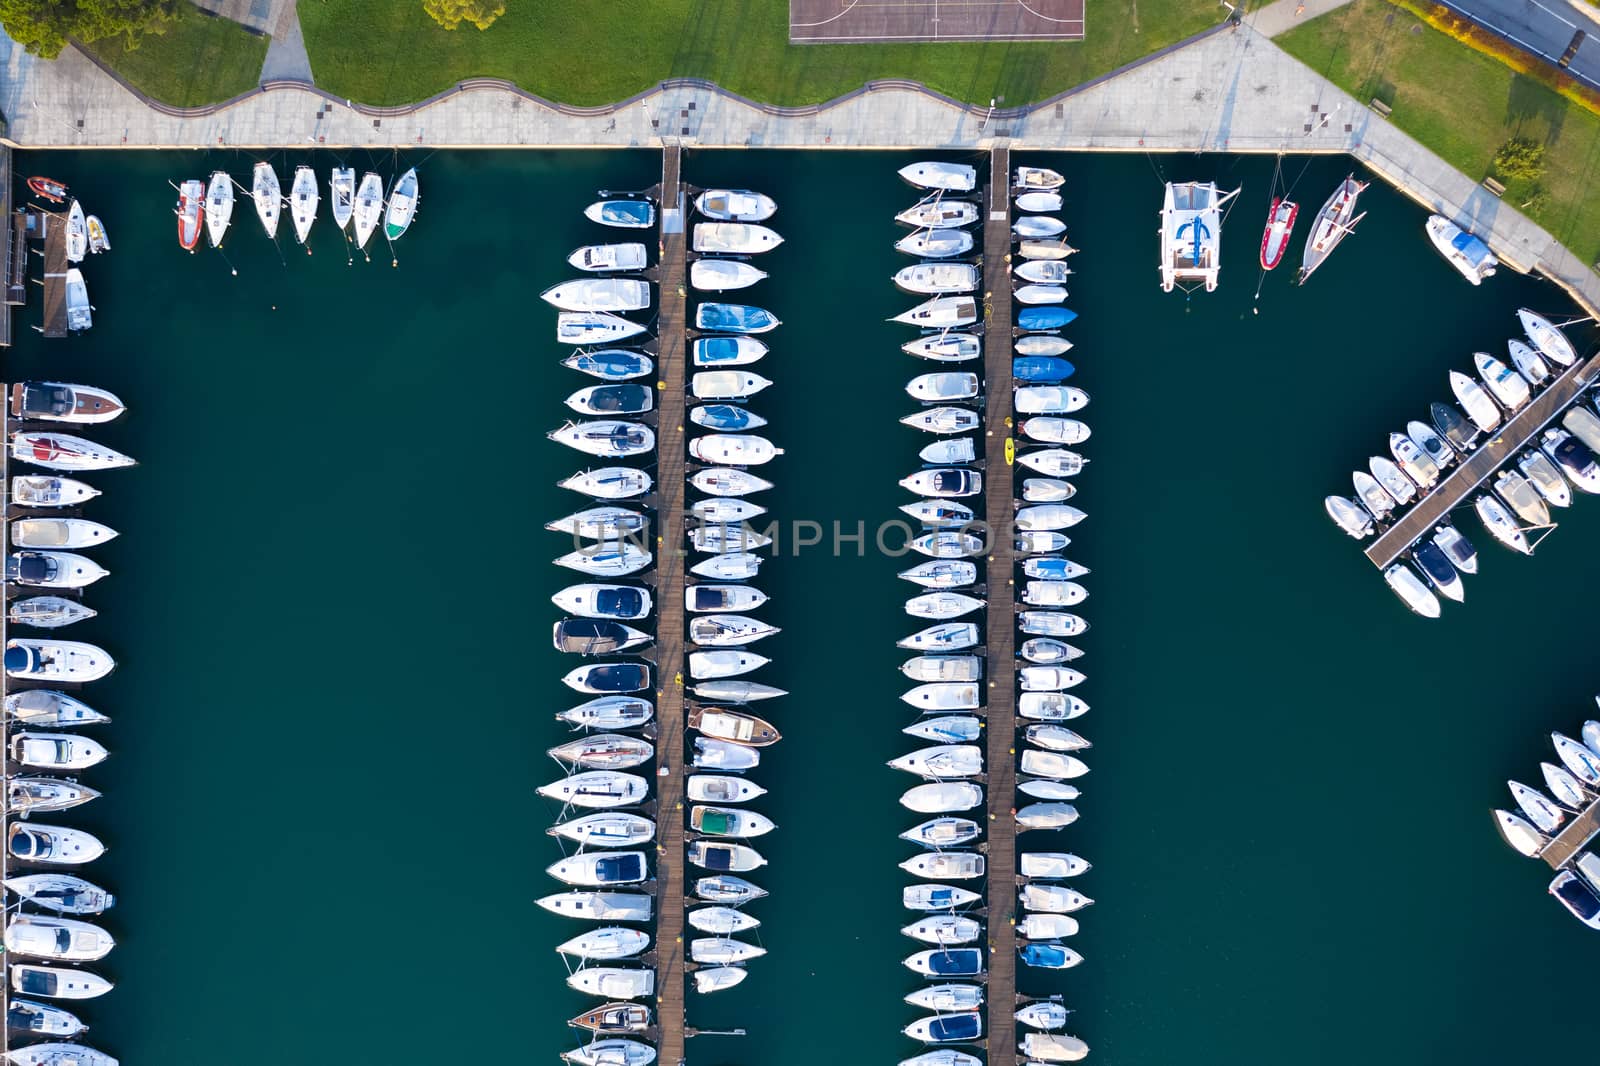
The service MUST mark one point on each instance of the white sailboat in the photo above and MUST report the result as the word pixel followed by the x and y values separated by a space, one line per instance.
pixel 342 194
pixel 368 208
pixel 219 207
pixel 1191 234
pixel 268 196
pixel 303 201
pixel 403 199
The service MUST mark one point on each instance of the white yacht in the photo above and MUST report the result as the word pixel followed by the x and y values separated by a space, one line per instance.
pixel 936 897
pixel 609 258
pixel 609 712
pixel 945 929
pixel 608 943
pixel 721 788
pixel 945 865
pixel 943 420
pixel 60 939
pixel 1413 461
pixel 948 347
pixel 599 294
pixel 1372 495
pixel 942 762
pixel 1411 589
pixel 1349 516
pixel 935 212
pixel 723 275
pixel 1050 399
pixel 598 789
pixel 943 797
pixel 1483 411
pixel 612 982
pixel 941 313
pixel 1537 806
pixel 1519 834
pixel 1550 341
pixel 1191 234
pixel 1052 764
pixel 947 177
pixel 1506 385
pixel 734 238
pixel 1528 363
pixel 735 205
pixel 1468 254
pixel 936 279
pixel 935 243
pixel 941 696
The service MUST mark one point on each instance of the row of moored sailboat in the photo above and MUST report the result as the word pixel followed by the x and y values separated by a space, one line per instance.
pixel 946 916
pixel 360 209
pixel 52 938
pixel 1515 508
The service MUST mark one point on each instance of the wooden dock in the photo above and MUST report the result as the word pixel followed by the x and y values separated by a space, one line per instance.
pixel 1001 717
pixel 1572 838
pixel 671 361
pixel 5 690
pixel 16 250
pixel 1499 451
pixel 55 273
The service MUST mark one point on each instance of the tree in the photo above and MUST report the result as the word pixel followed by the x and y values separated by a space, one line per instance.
pixel 43 26
pixel 1520 159
pixel 451 13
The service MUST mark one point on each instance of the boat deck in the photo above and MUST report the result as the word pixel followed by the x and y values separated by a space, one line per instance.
pixel 1490 456
pixel 1002 694
pixel 55 273
pixel 671 360
pixel 1571 840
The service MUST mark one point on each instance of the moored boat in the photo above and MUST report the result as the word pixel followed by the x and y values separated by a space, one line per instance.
pixel 303 201
pixel 1280 225
pixel 1333 223
pixel 267 195
pixel 367 210
pixel 191 205
pixel 1468 254
pixel 219 207
pixel 404 196
pixel 342 195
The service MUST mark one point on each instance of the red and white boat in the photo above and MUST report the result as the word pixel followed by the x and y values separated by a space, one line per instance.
pixel 1280 224
pixel 191 199
pixel 49 188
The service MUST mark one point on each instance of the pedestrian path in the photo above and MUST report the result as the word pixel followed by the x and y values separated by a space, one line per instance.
pixel 287 59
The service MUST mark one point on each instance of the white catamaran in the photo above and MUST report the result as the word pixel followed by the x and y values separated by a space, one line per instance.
pixel 1191 234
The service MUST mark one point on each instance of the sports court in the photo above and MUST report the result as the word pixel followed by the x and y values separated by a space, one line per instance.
pixel 881 21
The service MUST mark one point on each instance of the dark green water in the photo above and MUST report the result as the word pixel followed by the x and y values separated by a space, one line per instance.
pixel 330 603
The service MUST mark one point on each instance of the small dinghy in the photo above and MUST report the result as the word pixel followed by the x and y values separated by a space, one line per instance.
pixel 943 797
pixel 612 364
pixel 722 275
pixel 728 630
pixel 602 560
pixel 1051 764
pixel 1045 652
pixel 943 833
pixel 1050 399
pixel 1029 226
pixel 942 605
pixel 609 483
pixel 598 789
pixel 610 829
pixel 1048 815
pixel 268 197
pixel 593 327
pixel 946 177
pixel 52 845
pixel 609 258
pixel 729 822
pixel 964 1027
pixel 733 727
pixel 726 384
pixel 56 751
pixel 191 205
pixel 54 661
pixel 617 399
pixel 607 438
pixel 1041 368
pixel 947 962
pixel 47 188
pixel 734 238
pixel 1053 462
pixel 946 998
pixel 403 199
pixel 941 313
pixel 945 347
pixel 942 761
pixel 727 889
pixel 219 207
pixel 603 751
pixel 720 788
pixel 1047 490
pixel 937 279
pixel 944 420
pixel 722 597
pixel 96 230
pixel 734 566
pixel 61 451
pixel 623 214
pixel 303 201
pixel 613 982
pixel 946 636
pixel 367 211
pixel 942 574
pixel 1040 294
pixel 935 243
pixel 947 729
pixel 1052 865
pixel 725 417
pixel 599 294
pixel 720 755
pixel 735 318
pixel 1034 248
pixel 45 708
pixel 939 213
pixel 936 897
pixel 47 612
pixel 734 449
pixel 600 869
pixel 735 205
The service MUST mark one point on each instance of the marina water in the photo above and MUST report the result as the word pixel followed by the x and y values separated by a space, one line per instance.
pixel 330 604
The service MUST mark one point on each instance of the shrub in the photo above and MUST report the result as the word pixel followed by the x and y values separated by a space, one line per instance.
pixel 1520 159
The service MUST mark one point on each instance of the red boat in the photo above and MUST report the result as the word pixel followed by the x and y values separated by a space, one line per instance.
pixel 49 188
pixel 1280 223
pixel 191 198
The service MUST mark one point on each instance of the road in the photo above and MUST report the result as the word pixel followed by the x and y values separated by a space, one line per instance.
pixel 1545 27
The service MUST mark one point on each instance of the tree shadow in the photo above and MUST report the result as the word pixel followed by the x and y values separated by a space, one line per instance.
pixel 1529 101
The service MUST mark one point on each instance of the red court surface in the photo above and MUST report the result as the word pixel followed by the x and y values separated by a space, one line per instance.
pixel 865 21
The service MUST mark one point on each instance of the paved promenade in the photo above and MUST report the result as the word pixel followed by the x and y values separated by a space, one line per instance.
pixel 1231 90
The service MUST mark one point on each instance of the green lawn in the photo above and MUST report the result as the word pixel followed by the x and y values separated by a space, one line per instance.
pixel 196 60
pixel 1463 105
pixel 390 51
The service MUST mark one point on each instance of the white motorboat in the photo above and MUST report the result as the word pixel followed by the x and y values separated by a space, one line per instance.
pixel 1053 462
pixel 945 929
pixel 944 482
pixel 599 294
pixel 404 196
pixel 1053 1047
pixel 1463 556
pixel 268 197
pixel 613 1051
pixel 57 982
pixel 942 696
pixel 613 982
pixel 716 978
pixel 726 384
pixel 622 213
pixel 1043 272
pixel 609 677
pixel 1191 234
pixel 57 401
pixel 56 751
pixel 722 481
pixel 1528 363
pixel 939 514
pixel 598 789
pixel 610 258
pixel 733 566
pixel 1521 497
pixel 1052 814
pixel 946 636
pixel 723 951
pixel 609 483
pixel 608 829
pixel 1051 593
pixel 938 278
pixel 303 201
pixel 608 438
pixel 1047 490
pixel 368 209
pixel 1411 589
pixel 1475 402
pixel 60 939
pixel 725 663
pixel 1050 399
pixel 721 920
pixel 721 788
pixel 1040 294
pixel 947 544
pixel 77 232
pixel 1055 738
pixel 51 845
pixel 942 797
pixel 1051 764
pixel 1036 179
pixel 608 943
pixel 1566 789
pixel 1431 444
pixel 1050 430
pixel 603 751
pixel 720 755
pixel 728 630
pixel 701 598
pixel 601 868
pixel 594 327
pixel 942 574
pixel 1413 461
pixel 25 1016
pixel 723 275
pixel 1044 249
pixel 942 761
pixel 1045 651
pixel 735 205
pixel 617 559
pixel 1579 760
pixel 1049 678
pixel 736 691
pixel 942 605
pixel 945 866
pixel 1044 1015
pixel 1047 516
pixel 52 570
pixel 724 857
pixel 935 212
pixel 947 177
pixel 936 897
pixel 1501 526
pixel 1394 482
pixel 1028 226
pixel 734 238
pixel 945 348
pixel 45 708
pixel 1052 899
pixel 944 420
pixel 1582 423
pixel 1372 495
pixel 1519 834
pixel 1574 458
pixel 941 313
pixel 63 893
pixel 734 449
pixel 1551 342
pixel 1506 385
pixel 56 661
pixel 61 451
pixel 1537 806
pixel 1051 865
pixel 946 998
pixel 946 729
pixel 729 822
pixel 612 399
pixel 342 195
pixel 935 243
pixel 1468 254
pixel 1349 516
pixel 80 312
pixel 219 207
pixel 1546 477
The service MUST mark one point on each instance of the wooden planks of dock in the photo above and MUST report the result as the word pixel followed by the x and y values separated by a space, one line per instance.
pixel 1001 717
pixel 1572 838
pixel 1493 455
pixel 55 274
pixel 671 360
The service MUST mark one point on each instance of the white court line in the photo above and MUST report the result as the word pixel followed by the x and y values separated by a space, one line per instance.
pixel 831 18
pixel 1039 14
pixel 1057 35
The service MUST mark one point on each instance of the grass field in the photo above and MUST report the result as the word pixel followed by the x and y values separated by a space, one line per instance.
pixel 390 52
pixel 1464 105
pixel 196 60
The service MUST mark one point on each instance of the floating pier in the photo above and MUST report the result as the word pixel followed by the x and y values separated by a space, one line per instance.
pixel 16 251
pixel 1572 839
pixel 671 360
pixel 54 228
pixel 1001 717
pixel 1478 466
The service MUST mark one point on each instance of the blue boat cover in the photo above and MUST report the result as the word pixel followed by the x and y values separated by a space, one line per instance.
pixel 965 1026
pixel 722 416
pixel 1041 368
pixel 1471 247
pixel 1045 956
pixel 619 603
pixel 956 962
pixel 1045 317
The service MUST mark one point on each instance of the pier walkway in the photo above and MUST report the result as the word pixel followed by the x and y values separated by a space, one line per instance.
pixel 671 358
pixel 1572 838
pixel 55 273
pixel 1499 451
pixel 1001 717
pixel 5 690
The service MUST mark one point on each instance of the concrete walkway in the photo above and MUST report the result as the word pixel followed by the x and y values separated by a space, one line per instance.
pixel 1281 16
pixel 1229 91
pixel 286 55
